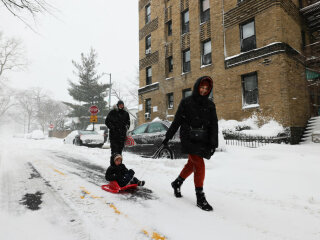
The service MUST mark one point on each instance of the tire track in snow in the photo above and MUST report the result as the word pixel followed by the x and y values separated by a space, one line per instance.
pixel 98 171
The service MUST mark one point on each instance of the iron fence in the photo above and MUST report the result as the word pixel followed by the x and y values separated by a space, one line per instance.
pixel 238 139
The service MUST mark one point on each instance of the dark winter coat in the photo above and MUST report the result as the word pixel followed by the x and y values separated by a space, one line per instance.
pixel 119 173
pixel 118 122
pixel 196 111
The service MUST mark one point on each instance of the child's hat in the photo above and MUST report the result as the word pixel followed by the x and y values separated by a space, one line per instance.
pixel 117 156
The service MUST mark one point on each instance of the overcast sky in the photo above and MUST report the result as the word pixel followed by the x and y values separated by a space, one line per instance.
pixel 108 26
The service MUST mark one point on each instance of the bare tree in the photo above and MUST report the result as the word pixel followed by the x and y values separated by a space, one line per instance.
pixel 27 104
pixel 6 101
pixel 129 94
pixel 59 114
pixel 12 56
pixel 25 8
pixel 34 108
pixel 42 101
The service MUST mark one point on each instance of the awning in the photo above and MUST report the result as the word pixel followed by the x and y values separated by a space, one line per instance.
pixel 312 74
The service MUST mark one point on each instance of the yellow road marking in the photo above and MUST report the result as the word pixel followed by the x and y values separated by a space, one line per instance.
pixel 155 236
pixel 58 172
pixel 114 208
pixel 87 192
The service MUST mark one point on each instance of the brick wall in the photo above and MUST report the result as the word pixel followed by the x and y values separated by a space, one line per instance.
pixel 281 81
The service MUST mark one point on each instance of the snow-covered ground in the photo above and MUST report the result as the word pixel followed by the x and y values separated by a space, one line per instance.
pixel 270 192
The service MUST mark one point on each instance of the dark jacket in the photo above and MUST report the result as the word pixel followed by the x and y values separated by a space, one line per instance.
pixel 196 111
pixel 118 121
pixel 119 173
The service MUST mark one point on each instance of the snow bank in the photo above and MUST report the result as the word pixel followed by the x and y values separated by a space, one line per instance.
pixel 250 126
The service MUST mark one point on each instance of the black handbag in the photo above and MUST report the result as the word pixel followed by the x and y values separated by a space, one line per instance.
pixel 199 135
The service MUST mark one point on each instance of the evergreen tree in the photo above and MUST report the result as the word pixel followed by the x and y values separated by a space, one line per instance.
pixel 88 91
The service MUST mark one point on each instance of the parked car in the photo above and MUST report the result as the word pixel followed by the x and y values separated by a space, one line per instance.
pixel 102 129
pixel 84 138
pixel 149 136
pixel 37 135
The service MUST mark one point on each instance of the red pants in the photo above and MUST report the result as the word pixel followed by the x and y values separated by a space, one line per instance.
pixel 194 165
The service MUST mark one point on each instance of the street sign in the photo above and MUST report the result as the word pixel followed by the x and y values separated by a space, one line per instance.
pixel 93 110
pixel 94 118
pixel 51 126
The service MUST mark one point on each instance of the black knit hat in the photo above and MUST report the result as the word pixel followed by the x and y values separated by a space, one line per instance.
pixel 120 102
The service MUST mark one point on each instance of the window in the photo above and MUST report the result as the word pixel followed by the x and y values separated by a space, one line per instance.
pixel 148 44
pixel 148 13
pixel 169 28
pixel 303 38
pixel 147 114
pixel 156 127
pixel 205 10
pixel 186 93
pixel 248 37
pixel 140 129
pixel 249 89
pixel 206 52
pixel 170 100
pixel 148 75
pixel 300 4
pixel 170 64
pixel 185 21
pixel 186 61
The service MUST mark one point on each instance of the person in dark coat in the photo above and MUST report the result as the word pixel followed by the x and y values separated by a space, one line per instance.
pixel 117 171
pixel 197 118
pixel 118 122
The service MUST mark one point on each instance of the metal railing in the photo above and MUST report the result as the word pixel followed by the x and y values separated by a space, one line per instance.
pixel 242 140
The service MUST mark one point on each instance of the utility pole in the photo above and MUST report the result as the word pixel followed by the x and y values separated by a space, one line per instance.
pixel 108 139
pixel 109 91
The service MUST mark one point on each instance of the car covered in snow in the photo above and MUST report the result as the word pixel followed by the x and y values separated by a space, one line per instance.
pixel 102 129
pixel 37 135
pixel 84 138
pixel 149 136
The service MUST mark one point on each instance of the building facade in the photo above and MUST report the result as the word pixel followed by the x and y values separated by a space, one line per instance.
pixel 253 50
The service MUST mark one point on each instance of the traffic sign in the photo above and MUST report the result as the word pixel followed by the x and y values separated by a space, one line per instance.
pixel 93 109
pixel 51 126
pixel 94 118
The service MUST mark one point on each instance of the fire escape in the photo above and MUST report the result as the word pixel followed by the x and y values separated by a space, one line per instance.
pixel 311 14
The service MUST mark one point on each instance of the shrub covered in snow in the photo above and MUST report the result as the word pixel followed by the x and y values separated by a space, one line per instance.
pixel 253 126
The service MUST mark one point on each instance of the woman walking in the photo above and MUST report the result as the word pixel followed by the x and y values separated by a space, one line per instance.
pixel 197 119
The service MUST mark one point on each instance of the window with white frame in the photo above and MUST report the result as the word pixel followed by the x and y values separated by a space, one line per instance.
pixel 250 90
pixel 147 113
pixel 186 67
pixel 170 100
pixel 205 11
pixel 247 36
pixel 148 44
pixel 148 13
pixel 148 75
pixel 185 21
pixel 206 52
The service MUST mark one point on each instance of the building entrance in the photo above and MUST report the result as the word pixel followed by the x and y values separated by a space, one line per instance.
pixel 314 90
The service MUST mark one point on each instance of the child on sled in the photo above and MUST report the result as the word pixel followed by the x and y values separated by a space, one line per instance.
pixel 117 171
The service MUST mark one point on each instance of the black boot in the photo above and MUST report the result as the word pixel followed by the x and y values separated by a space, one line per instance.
pixel 176 184
pixel 141 183
pixel 201 200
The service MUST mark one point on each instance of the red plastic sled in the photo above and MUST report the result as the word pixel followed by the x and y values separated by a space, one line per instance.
pixel 115 188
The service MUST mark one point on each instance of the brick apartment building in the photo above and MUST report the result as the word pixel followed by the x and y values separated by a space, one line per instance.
pixel 260 54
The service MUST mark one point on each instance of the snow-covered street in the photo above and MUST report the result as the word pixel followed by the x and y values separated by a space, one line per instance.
pixel 50 190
